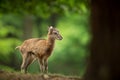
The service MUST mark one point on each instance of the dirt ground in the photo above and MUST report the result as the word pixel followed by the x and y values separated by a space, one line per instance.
pixel 19 76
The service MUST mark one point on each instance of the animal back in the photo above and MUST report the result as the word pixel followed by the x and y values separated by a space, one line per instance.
pixel 31 44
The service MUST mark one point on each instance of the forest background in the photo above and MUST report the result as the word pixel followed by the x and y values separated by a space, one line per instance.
pixel 24 19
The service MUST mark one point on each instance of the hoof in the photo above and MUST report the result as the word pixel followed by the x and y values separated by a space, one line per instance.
pixel 45 76
pixel 23 71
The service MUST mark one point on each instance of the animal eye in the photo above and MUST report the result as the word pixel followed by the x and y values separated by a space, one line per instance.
pixel 55 33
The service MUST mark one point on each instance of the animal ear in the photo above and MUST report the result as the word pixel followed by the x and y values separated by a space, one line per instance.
pixel 50 29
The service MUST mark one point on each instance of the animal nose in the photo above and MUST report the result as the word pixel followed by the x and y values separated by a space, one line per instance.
pixel 61 37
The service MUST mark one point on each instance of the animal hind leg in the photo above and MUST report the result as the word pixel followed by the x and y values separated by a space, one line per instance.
pixel 27 59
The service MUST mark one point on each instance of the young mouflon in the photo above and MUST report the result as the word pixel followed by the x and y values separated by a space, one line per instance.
pixel 41 49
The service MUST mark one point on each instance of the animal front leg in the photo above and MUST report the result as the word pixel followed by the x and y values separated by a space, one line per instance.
pixel 41 63
pixel 46 65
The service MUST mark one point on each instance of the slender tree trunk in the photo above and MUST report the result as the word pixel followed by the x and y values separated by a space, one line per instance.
pixel 28 27
pixel 38 22
pixel 53 19
pixel 104 61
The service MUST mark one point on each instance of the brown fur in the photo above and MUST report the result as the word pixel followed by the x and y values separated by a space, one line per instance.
pixel 40 49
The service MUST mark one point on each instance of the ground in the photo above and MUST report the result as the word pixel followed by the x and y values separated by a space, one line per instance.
pixel 4 75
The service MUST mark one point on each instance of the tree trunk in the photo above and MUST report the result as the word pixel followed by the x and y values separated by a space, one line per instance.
pixel 39 28
pixel 104 60
pixel 53 19
pixel 27 27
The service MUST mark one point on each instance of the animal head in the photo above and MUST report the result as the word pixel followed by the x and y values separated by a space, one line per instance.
pixel 54 33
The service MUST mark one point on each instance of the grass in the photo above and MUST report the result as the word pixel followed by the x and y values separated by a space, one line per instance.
pixel 4 75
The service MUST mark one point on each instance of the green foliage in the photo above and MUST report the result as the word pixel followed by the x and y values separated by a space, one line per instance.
pixel 42 8
pixel 7 42
pixel 6 68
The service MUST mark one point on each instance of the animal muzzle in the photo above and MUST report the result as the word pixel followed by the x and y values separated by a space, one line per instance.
pixel 59 37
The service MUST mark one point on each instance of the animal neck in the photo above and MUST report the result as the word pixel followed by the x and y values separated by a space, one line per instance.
pixel 50 41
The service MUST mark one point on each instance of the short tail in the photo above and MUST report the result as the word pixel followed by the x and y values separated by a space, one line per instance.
pixel 17 47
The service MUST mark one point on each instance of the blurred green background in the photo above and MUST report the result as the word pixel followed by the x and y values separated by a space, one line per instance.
pixel 24 19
